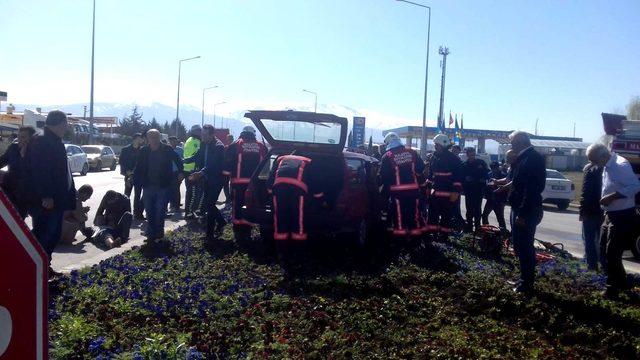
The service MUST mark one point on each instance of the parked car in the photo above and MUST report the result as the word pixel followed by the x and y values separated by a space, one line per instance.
pixel 77 159
pixel 352 179
pixel 100 157
pixel 558 190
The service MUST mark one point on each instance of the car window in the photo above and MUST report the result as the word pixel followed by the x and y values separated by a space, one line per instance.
pixel 91 149
pixel 69 150
pixel 108 151
pixel 318 133
pixel 552 174
pixel 354 164
pixel 264 172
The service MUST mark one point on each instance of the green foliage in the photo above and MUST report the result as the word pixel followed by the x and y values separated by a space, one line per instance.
pixel 133 123
pixel 154 124
pixel 178 129
pixel 633 108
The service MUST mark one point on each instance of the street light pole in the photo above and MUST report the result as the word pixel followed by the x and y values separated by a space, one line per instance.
pixel 444 51
pixel 214 112
pixel 93 43
pixel 178 101
pixel 203 90
pixel 423 137
pixel 315 107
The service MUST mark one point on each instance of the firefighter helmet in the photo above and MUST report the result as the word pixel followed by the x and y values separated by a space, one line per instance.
pixel 442 140
pixel 249 129
pixel 391 137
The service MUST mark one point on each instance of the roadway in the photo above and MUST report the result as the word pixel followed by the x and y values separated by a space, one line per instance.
pixel 557 227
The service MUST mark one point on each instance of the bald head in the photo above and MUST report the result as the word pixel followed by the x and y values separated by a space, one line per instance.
pixel 153 139
pixel 519 141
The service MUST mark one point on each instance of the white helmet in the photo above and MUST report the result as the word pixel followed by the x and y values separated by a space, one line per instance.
pixel 442 140
pixel 249 129
pixel 391 137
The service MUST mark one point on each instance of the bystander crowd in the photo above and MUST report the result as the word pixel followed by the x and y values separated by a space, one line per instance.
pixel 128 159
pixel 13 182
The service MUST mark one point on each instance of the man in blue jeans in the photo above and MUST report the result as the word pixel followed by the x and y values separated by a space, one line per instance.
pixel 529 179
pixel 591 214
pixel 49 176
pixel 154 173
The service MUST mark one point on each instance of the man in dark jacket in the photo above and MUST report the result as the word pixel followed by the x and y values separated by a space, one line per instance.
pixel 14 181
pixel 474 174
pixel 154 173
pixel 114 219
pixel 591 213
pixel 495 200
pixel 128 160
pixel 210 160
pixel 51 181
pixel 529 179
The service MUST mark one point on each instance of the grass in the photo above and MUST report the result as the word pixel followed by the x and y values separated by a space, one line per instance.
pixel 234 300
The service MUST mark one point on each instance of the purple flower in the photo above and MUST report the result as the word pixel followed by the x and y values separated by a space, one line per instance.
pixel 96 345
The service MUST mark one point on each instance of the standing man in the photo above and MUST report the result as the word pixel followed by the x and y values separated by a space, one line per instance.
pixel 14 181
pixel 529 178
pixel 242 157
pixel 210 159
pixel 591 214
pixel 128 160
pixel 194 193
pixel 51 181
pixel 153 172
pixel 174 200
pixel 444 178
pixel 495 199
pixel 474 174
pixel 619 188
pixel 401 176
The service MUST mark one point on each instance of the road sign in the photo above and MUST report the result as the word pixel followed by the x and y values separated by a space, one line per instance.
pixel 23 289
pixel 3 96
pixel 358 131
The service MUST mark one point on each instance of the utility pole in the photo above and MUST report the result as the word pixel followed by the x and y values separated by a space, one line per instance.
pixel 574 129
pixel 93 45
pixel 85 112
pixel 536 127
pixel 444 51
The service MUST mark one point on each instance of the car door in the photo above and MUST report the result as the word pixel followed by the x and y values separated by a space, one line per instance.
pixel 110 156
pixel 77 159
pixel 70 157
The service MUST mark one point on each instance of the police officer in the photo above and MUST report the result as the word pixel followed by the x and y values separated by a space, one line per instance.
pixel 444 177
pixel 475 174
pixel 194 192
pixel 401 174
pixel 242 157
pixel 294 183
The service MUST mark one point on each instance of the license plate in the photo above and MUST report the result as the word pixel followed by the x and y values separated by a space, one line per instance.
pixel 557 187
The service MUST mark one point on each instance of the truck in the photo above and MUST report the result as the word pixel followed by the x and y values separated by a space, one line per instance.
pixel 624 138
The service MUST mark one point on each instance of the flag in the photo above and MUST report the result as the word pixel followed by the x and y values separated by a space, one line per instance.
pixel 370 147
pixel 451 118
pixel 456 132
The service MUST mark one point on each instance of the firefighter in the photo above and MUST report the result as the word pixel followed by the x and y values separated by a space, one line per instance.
pixel 474 174
pixel 242 157
pixel 444 178
pixel 294 183
pixel 401 174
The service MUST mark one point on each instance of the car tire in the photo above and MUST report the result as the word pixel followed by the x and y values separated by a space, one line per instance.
pixel 98 166
pixel 635 248
pixel 563 205
pixel 85 169
pixel 113 166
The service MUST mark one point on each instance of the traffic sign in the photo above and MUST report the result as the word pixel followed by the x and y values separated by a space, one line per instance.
pixel 23 289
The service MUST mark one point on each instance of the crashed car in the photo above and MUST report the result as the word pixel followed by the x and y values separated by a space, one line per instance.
pixel 349 180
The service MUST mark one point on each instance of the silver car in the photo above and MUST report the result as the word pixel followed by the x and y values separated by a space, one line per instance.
pixel 77 159
pixel 100 157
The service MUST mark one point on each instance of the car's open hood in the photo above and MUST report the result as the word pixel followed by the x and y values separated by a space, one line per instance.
pixel 301 130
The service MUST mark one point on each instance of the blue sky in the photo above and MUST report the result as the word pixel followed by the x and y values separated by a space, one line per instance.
pixel 511 61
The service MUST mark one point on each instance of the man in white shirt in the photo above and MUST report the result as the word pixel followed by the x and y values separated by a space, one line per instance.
pixel 619 187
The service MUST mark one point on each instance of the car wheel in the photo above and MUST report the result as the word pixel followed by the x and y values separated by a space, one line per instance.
pixel 564 205
pixel 635 248
pixel 85 169
pixel 98 166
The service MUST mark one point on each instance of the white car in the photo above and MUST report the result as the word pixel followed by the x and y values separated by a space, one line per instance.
pixel 77 159
pixel 558 190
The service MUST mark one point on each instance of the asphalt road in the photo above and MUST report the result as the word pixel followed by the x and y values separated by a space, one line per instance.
pixel 556 227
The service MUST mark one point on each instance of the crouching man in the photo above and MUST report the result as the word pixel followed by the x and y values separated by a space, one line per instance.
pixel 74 220
pixel 114 219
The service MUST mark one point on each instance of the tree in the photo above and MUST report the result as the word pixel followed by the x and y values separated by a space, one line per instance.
pixel 178 129
pixel 154 124
pixel 133 123
pixel 633 109
pixel 166 128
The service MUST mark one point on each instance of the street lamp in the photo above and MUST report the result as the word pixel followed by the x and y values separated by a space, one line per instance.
pixel 178 101
pixel 315 107
pixel 423 137
pixel 93 43
pixel 214 112
pixel 203 90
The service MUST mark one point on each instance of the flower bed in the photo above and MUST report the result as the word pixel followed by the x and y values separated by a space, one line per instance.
pixel 445 301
